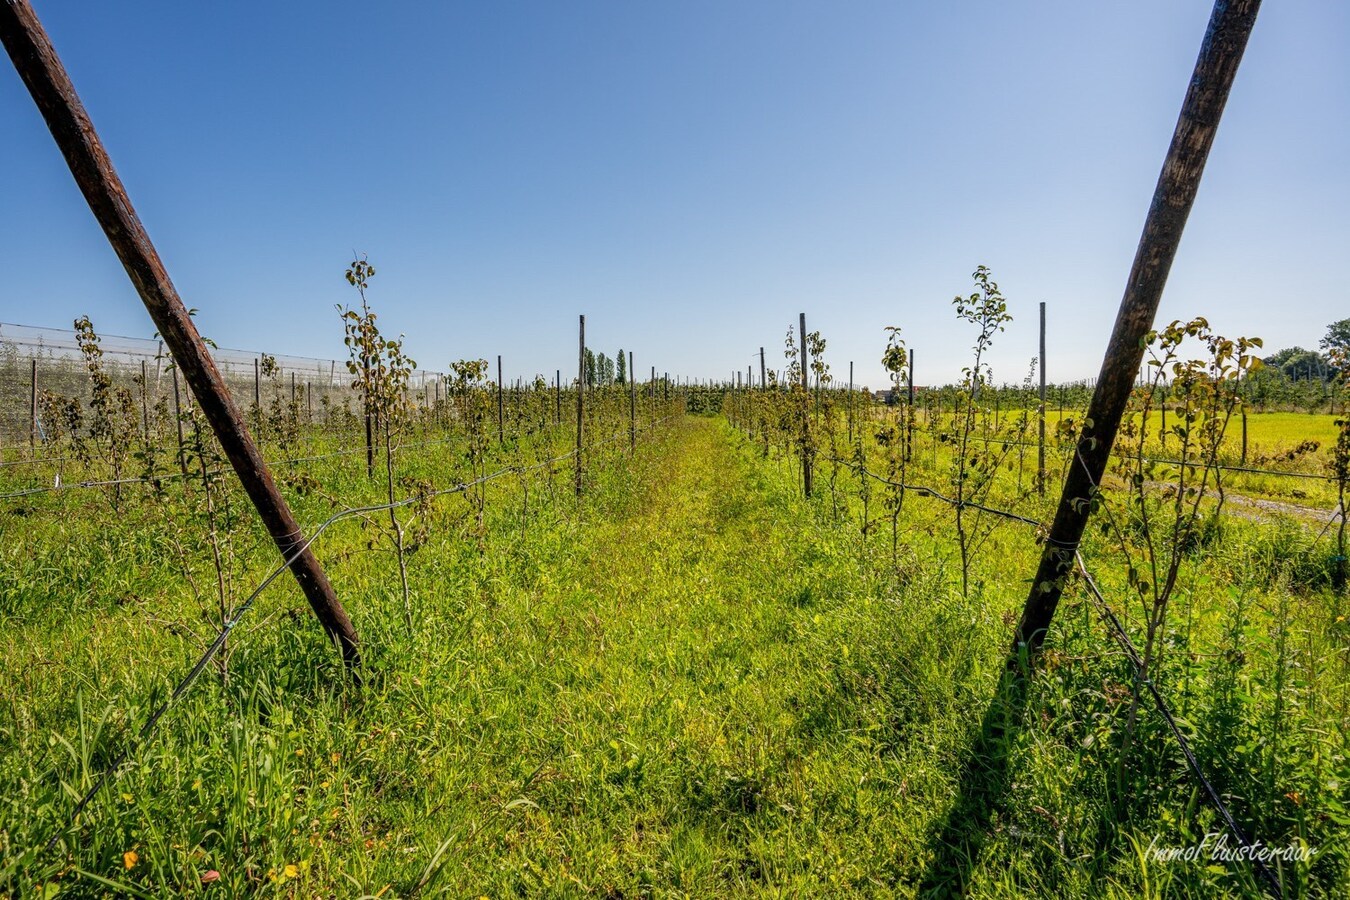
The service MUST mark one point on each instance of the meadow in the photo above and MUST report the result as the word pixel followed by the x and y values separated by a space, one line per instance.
pixel 692 681
pixel 711 641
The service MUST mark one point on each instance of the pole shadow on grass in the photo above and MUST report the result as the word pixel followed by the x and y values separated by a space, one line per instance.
pixel 985 778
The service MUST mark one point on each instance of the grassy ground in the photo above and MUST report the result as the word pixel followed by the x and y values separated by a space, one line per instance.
pixel 695 684
pixel 1277 442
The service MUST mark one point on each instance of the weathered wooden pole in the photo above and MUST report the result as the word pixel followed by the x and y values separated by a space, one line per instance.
pixel 909 427
pixel 1230 26
pixel 38 65
pixel 501 433
pixel 763 375
pixel 557 396
pixel 1040 452
pixel 806 416
pixel 1244 435
pixel 32 406
pixel 632 406
pixel 257 388
pixel 368 409
pixel 850 401
pixel 178 420
pixel 1162 432
pixel 581 395
pixel 145 404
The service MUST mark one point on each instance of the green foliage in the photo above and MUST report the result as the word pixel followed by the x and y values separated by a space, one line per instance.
pixel 1336 343
pixel 975 463
pixel 381 372
pixel 693 681
pixel 112 418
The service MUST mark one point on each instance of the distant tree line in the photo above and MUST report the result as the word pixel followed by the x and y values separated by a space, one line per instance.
pixel 601 370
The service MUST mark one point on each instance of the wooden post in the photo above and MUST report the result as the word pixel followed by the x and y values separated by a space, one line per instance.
pixel 557 395
pixel 1230 26
pixel 1162 432
pixel 1040 452
pixel 257 387
pixel 145 404
pixel 850 401
pixel 632 406
pixel 178 420
pixel 909 429
pixel 1244 435
pixel 581 395
pixel 37 63
pixel 32 407
pixel 501 434
pixel 309 403
pixel 368 414
pixel 763 375
pixel 805 449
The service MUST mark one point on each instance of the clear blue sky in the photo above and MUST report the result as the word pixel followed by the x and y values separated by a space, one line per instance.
pixel 689 175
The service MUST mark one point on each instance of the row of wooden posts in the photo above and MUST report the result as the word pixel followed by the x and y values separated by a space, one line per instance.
pixel 1230 25
pixel 807 472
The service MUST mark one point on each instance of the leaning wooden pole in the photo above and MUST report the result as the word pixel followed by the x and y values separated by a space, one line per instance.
pixel 38 65
pixel 1230 26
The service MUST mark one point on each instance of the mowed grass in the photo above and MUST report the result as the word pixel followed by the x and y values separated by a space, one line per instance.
pixel 693 684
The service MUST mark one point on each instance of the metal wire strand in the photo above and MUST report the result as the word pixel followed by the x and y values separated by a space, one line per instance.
pixel 113 771
pixel 1118 633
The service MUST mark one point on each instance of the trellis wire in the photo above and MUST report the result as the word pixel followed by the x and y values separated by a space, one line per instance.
pixel 111 772
pixel 178 476
pixel 1191 464
pixel 1119 634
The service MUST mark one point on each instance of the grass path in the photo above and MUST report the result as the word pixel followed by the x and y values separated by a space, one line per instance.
pixel 695 685
pixel 699 697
